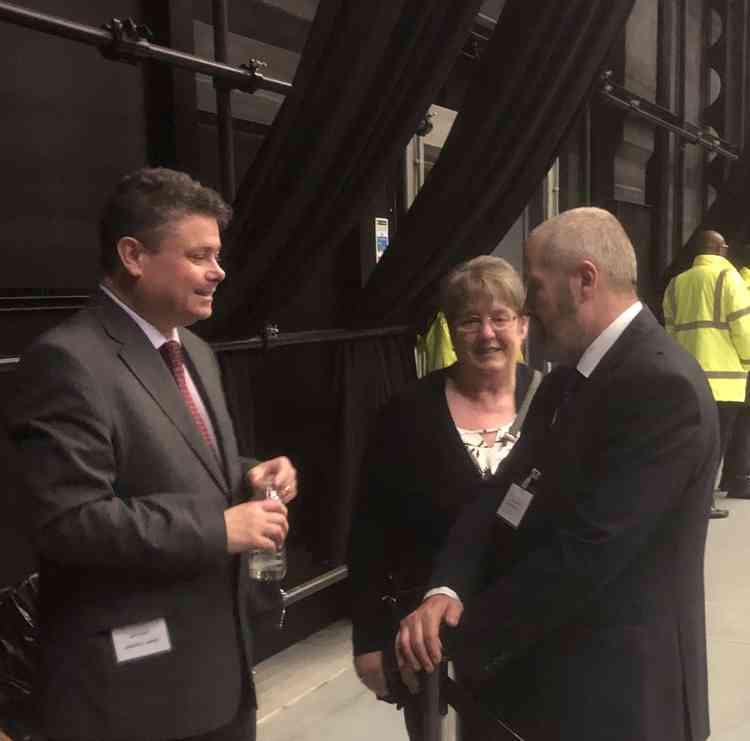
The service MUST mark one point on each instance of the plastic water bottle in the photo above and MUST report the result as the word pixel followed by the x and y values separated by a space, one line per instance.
pixel 267 565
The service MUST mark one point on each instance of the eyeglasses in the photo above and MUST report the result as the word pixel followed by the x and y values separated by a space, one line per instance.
pixel 473 324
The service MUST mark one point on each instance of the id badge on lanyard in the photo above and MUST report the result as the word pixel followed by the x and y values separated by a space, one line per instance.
pixel 517 500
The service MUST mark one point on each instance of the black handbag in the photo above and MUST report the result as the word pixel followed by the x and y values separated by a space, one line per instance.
pixel 401 600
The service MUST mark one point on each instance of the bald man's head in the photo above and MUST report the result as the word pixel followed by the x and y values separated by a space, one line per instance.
pixel 711 243
pixel 592 234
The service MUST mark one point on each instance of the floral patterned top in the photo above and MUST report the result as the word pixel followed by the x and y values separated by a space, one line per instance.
pixel 487 457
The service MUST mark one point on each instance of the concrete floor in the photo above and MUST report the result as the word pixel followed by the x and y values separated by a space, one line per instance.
pixel 310 692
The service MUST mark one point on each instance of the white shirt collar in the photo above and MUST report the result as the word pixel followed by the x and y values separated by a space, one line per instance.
pixel 156 338
pixel 598 348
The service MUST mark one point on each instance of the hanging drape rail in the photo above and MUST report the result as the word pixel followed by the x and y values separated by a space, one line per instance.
pixel 126 41
pixel 621 97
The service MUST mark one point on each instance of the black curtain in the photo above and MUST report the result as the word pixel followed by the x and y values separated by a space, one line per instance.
pixel 17 558
pixel 367 75
pixel 533 79
pixel 370 371
pixel 313 403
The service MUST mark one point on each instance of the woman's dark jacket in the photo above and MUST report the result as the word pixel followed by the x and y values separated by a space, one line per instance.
pixel 416 478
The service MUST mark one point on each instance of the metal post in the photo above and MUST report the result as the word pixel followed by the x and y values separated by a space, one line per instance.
pixel 430 701
pixel 219 15
pixel 587 155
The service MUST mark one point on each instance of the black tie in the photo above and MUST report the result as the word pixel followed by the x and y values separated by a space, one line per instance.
pixel 570 388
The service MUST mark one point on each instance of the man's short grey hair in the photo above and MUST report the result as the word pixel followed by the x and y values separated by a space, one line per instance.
pixel 595 235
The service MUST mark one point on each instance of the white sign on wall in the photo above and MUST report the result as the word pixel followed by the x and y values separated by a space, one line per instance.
pixel 381 237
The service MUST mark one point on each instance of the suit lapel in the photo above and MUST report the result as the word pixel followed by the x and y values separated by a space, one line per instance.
pixel 631 340
pixel 574 434
pixel 145 363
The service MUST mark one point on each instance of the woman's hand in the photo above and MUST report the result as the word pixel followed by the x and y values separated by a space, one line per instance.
pixel 369 668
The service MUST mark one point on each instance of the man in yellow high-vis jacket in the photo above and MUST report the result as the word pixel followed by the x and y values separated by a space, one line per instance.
pixel 707 310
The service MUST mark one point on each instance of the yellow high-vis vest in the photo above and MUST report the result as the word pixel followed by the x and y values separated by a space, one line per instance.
pixel 435 348
pixel 707 310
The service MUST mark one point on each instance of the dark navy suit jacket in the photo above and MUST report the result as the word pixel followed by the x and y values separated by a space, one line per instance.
pixel 587 621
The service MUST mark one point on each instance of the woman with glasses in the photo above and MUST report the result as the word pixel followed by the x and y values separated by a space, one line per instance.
pixel 428 456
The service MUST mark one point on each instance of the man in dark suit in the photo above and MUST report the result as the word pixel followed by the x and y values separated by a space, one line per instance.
pixel 137 498
pixel 576 585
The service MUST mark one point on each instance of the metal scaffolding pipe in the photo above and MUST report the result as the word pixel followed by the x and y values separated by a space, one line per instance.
pixel 310 337
pixel 225 129
pixel 620 97
pixel 125 41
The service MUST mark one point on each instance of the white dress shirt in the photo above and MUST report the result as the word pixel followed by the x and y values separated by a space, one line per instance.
pixel 157 339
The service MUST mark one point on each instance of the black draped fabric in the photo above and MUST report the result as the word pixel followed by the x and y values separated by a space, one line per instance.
pixel 533 78
pixel 237 373
pixel 370 372
pixel 315 405
pixel 367 75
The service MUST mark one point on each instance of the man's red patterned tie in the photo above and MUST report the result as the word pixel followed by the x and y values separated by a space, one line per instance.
pixel 171 351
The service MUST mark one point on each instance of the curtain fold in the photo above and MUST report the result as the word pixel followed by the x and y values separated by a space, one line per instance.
pixel 368 73
pixel 540 64
pixel 369 372
pixel 533 79
pixel 316 407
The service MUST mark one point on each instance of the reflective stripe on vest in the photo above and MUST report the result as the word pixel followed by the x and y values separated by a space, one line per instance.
pixel 707 324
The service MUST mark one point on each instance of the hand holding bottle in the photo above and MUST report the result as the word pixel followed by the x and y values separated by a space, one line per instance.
pixel 265 564
pixel 256 524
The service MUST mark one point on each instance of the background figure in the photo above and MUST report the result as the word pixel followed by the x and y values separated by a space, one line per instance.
pixel 583 611
pixel 431 450
pixel 707 310
pixel 136 493
pixel 735 478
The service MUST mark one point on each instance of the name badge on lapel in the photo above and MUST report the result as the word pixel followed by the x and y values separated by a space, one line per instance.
pixel 140 640
pixel 517 500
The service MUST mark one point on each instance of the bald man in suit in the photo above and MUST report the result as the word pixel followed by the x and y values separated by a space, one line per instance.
pixel 575 584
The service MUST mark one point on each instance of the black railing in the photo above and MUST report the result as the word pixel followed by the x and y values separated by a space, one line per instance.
pixel 272 338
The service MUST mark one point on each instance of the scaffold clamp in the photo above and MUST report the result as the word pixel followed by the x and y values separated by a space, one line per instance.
pixel 127 37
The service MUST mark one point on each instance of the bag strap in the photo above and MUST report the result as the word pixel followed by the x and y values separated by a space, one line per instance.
pixel 536 379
